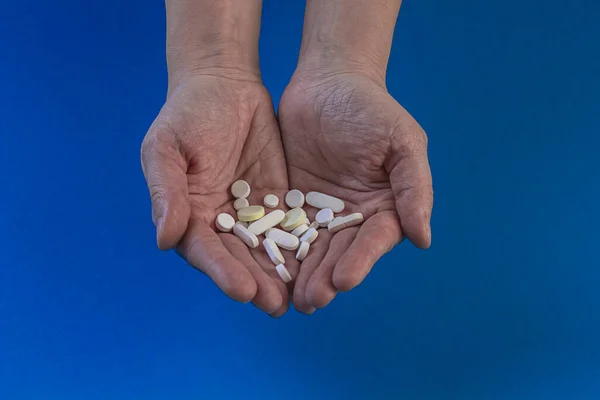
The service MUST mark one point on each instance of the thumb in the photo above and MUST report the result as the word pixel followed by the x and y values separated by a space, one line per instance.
pixel 165 171
pixel 410 177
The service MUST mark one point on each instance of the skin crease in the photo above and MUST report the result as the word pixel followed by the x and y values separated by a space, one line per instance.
pixel 211 132
pixel 346 136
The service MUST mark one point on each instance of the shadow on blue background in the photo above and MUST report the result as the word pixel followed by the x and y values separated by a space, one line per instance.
pixel 504 306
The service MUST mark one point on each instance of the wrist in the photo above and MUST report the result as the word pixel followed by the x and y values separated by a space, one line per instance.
pixel 213 38
pixel 323 64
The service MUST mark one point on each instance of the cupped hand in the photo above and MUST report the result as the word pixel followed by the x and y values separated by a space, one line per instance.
pixel 212 131
pixel 346 136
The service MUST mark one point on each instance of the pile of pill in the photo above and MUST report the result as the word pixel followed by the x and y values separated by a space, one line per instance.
pixel 297 233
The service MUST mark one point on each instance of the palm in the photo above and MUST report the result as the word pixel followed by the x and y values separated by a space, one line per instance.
pixel 223 131
pixel 345 137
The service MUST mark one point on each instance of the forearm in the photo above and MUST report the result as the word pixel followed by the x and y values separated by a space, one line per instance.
pixel 355 34
pixel 213 36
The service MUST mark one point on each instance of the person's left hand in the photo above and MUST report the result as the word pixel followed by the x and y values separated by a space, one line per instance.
pixel 344 135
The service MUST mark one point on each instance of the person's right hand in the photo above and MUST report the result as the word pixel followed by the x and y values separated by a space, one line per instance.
pixel 212 131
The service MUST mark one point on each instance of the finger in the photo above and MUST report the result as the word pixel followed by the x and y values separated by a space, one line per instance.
pixel 378 235
pixel 315 256
pixel 410 177
pixel 165 171
pixel 203 249
pixel 268 297
pixel 320 290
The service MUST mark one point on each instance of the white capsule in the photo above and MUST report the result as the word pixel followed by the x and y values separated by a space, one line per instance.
pixel 340 223
pixel 294 199
pixel 300 230
pixel 321 200
pixel 245 235
pixel 283 239
pixel 268 221
pixel 273 252
pixel 284 274
pixel 353 219
pixel 240 203
pixel 225 222
pixel 302 251
pixel 271 201
pixel 310 235
pixel 324 217
pixel 336 225
pixel 240 189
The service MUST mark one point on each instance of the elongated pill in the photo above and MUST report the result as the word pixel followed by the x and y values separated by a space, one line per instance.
pixel 224 222
pixel 245 235
pixel 284 274
pixel 294 198
pixel 240 189
pixel 336 225
pixel 293 219
pixel 240 203
pixel 268 221
pixel 271 201
pixel 353 219
pixel 310 235
pixel 321 200
pixel 324 217
pixel 273 252
pixel 302 251
pixel 300 230
pixel 252 213
pixel 283 239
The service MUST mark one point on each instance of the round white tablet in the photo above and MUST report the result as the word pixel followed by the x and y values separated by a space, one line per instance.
pixel 324 217
pixel 294 198
pixel 271 201
pixel 225 222
pixel 240 189
pixel 240 203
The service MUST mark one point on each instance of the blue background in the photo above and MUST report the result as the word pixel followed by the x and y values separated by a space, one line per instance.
pixel 504 306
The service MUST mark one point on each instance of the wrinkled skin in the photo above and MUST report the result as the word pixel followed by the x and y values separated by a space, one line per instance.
pixel 344 135
pixel 211 132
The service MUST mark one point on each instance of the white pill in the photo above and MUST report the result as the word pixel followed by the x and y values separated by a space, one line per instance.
pixel 321 200
pixel 293 219
pixel 225 222
pixel 283 239
pixel 284 274
pixel 300 230
pixel 247 237
pixel 294 199
pixel 324 217
pixel 240 203
pixel 273 252
pixel 353 219
pixel 268 221
pixel 314 225
pixel 310 235
pixel 340 223
pixel 336 225
pixel 302 251
pixel 240 189
pixel 271 201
